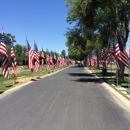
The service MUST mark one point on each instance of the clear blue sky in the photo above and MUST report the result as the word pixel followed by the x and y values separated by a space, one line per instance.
pixel 42 21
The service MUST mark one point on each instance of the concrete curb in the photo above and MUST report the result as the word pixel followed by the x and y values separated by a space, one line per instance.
pixel 114 92
pixel 16 88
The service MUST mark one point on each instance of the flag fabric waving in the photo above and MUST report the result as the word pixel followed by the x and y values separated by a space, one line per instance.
pixel 109 53
pixel 3 51
pixel 30 54
pixel 14 64
pixel 47 60
pixel 121 54
pixel 37 55
pixel 54 57
pixel 42 55
pixel 94 60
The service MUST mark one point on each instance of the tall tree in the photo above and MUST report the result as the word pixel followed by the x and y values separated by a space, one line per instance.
pixel 19 53
pixel 63 53
pixel 103 17
pixel 9 39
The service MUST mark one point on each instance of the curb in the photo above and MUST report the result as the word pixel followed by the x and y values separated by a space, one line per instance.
pixel 16 88
pixel 123 100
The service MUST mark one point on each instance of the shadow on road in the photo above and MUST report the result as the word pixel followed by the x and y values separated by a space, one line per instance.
pixel 80 74
pixel 85 78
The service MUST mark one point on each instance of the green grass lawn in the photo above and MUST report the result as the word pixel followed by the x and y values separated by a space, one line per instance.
pixel 112 77
pixel 6 84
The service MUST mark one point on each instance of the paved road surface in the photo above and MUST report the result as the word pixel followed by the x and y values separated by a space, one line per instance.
pixel 69 100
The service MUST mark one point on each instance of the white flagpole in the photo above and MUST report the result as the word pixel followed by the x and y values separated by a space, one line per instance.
pixel 129 67
pixel 25 58
pixel 117 78
pixel 111 62
pixel 129 73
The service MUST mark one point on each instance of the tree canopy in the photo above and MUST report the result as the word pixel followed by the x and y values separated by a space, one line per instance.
pixel 96 21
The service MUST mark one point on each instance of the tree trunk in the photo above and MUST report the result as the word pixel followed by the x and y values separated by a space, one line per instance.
pixel 121 72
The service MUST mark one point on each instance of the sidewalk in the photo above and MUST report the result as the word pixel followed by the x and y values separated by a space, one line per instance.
pixel 123 99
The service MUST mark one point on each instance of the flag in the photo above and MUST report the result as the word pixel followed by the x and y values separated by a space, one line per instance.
pixel 54 56
pixel 94 60
pixel 51 60
pixel 103 59
pixel 30 54
pixel 114 57
pixel 3 51
pixel 88 60
pixel 14 64
pixel 42 55
pixel 47 60
pixel 109 53
pixel 36 57
pixel 120 52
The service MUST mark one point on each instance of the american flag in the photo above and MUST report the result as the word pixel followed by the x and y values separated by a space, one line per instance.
pixel 14 64
pixel 47 60
pixel 42 55
pixel 121 54
pixel 94 60
pixel 3 51
pixel 51 59
pixel 54 56
pixel 37 55
pixel 109 53
pixel 103 59
pixel 114 57
pixel 30 54
pixel 88 61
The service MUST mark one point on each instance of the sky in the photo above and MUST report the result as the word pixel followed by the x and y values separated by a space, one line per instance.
pixel 42 21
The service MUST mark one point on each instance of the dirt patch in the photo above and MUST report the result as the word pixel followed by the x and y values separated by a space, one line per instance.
pixel 25 80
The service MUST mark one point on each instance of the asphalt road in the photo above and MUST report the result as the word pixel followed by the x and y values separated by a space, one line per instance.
pixel 71 99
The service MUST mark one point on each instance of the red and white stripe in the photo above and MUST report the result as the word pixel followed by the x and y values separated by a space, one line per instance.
pixel 30 59
pixel 5 67
pixel 37 62
pixel 42 55
pixel 14 63
pixel 122 56
pixel 3 51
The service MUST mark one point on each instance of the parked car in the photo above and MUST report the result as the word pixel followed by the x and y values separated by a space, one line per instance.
pixel 80 65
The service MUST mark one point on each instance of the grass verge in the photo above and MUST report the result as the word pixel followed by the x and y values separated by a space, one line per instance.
pixel 24 76
pixel 111 77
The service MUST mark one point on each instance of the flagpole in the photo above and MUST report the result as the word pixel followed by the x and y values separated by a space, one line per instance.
pixel 11 58
pixel 129 73
pixel 1 72
pixel 25 61
pixel 117 77
pixel 111 67
pixel 129 69
pixel 111 61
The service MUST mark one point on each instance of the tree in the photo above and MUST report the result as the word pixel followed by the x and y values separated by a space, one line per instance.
pixel 63 53
pixel 9 39
pixel 102 17
pixel 19 53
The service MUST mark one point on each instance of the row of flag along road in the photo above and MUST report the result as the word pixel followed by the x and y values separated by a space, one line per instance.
pixel 33 59
pixel 115 53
